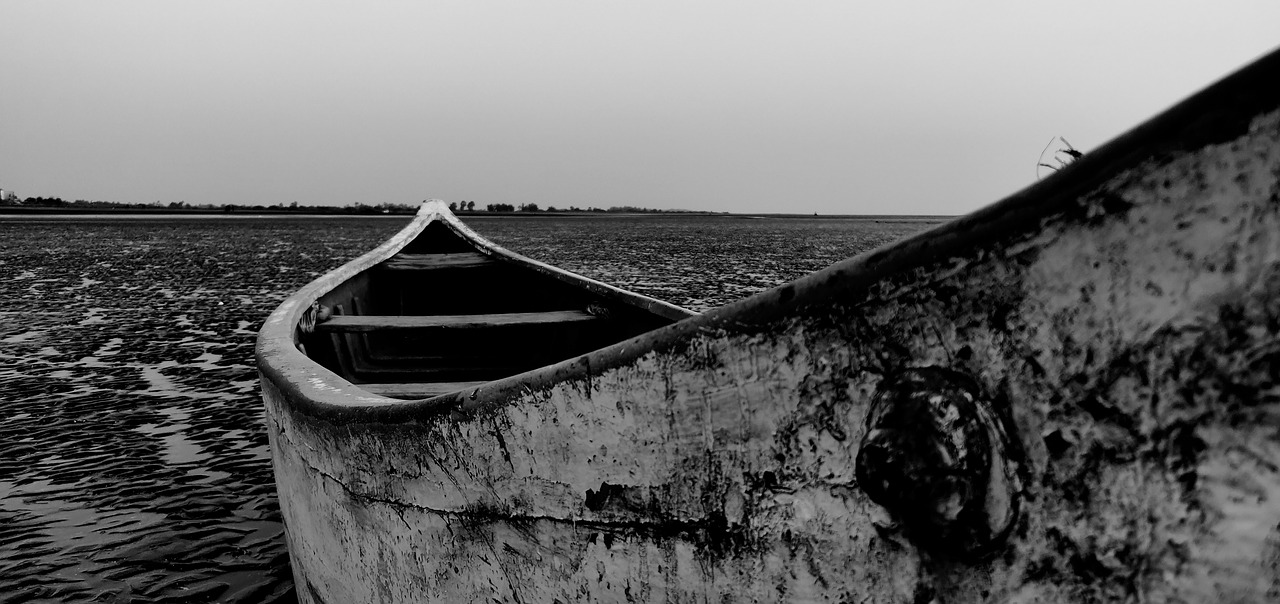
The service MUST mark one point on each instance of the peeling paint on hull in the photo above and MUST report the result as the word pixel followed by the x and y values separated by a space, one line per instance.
pixel 1123 315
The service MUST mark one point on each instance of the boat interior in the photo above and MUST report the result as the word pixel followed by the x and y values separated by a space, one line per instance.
pixel 446 314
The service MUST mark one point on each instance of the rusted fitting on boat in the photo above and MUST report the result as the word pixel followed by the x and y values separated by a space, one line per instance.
pixel 316 313
pixel 936 456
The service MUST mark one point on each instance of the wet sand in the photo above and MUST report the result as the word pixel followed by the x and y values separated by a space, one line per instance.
pixel 134 465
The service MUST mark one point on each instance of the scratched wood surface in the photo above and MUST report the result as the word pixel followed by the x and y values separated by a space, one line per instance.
pixel 1122 317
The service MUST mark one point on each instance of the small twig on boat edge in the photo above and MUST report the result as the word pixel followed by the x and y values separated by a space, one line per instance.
pixel 1070 152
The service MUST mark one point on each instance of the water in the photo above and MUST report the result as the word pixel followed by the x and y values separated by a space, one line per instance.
pixel 133 461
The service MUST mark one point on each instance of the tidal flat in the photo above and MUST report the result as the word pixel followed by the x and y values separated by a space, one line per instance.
pixel 134 464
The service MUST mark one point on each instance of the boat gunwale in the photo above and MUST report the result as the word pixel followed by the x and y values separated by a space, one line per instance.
pixel 1217 113
pixel 493 250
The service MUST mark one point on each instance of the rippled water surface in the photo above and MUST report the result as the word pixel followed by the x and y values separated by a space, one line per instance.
pixel 133 461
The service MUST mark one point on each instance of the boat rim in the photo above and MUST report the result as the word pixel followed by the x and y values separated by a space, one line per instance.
pixel 276 348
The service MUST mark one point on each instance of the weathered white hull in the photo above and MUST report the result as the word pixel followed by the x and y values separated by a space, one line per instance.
pixel 1122 317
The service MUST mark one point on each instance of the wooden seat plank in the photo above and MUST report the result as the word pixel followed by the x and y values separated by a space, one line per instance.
pixel 356 323
pixel 423 262
pixel 419 390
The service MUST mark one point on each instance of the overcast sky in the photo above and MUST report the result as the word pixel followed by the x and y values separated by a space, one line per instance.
pixel 797 106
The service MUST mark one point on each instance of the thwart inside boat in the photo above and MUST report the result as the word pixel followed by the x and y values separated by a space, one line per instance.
pixel 450 311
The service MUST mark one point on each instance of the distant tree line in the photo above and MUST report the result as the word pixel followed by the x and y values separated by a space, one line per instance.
pixel 470 206
pixel 295 207
pixel 183 206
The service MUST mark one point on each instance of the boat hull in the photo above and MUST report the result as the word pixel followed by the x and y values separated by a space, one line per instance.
pixel 1120 319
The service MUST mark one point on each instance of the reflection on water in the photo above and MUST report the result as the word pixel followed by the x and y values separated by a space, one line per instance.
pixel 134 465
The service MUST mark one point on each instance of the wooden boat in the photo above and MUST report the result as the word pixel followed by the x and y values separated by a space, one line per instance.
pixel 439 309
pixel 1071 395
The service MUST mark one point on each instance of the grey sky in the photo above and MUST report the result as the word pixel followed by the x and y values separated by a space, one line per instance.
pixel 831 107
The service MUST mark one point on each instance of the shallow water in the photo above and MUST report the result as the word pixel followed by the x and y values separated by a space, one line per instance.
pixel 133 461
